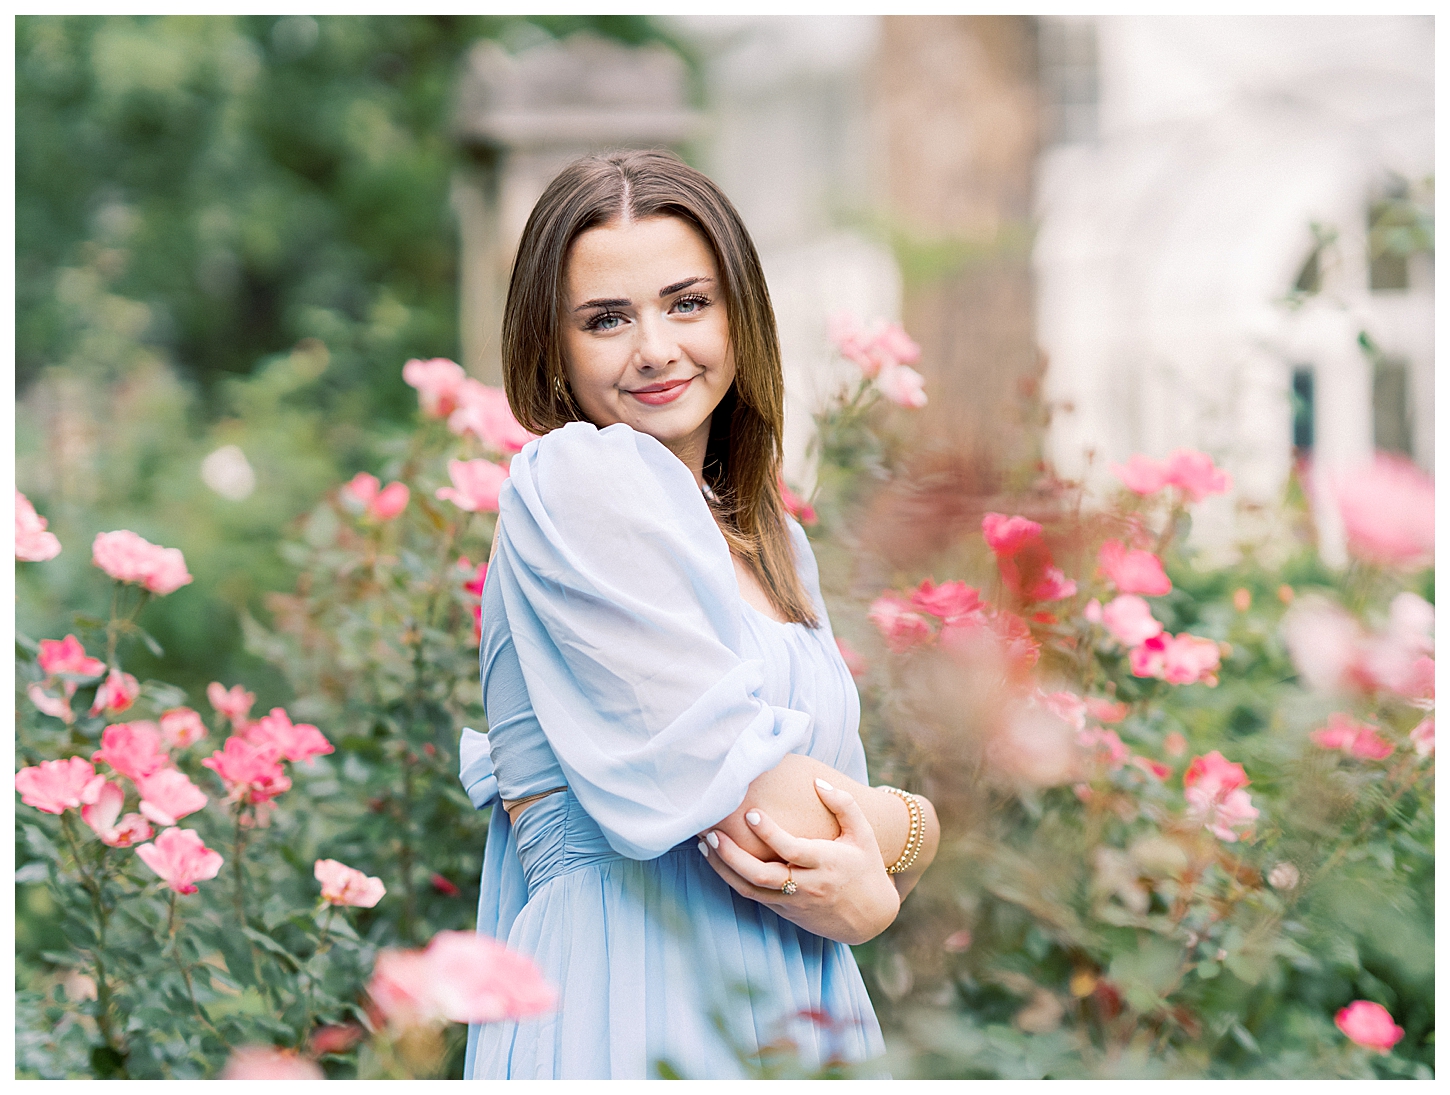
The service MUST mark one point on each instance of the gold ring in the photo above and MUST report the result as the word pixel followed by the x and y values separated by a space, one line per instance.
pixel 790 886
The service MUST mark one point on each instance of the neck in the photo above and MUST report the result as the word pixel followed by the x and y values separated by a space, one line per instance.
pixel 691 451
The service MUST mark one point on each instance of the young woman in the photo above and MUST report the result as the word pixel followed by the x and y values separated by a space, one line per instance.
pixel 682 837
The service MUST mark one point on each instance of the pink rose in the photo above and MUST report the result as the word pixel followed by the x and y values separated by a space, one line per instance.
pixel 899 625
pixel 1008 535
pixel 1054 585
pixel 1213 787
pixel 1175 744
pixel 1141 474
pixel 902 385
pixel 69 657
pixel 474 584
pixel 296 743
pixel 181 727
pixel 132 749
pixel 1129 620
pixel 485 413
pixel 180 859
pixel 951 600
pixel 116 693
pixel 250 772
pixel 55 706
pixel 1333 653
pixel 168 796
pixel 872 349
pixel 1069 708
pixel 102 814
pixel 1422 737
pixel 476 484
pixel 32 543
pixel 1215 774
pixel 1368 1024
pixel 854 661
pixel 1033 745
pixel 233 703
pixel 270 1063
pixel 343 885
pixel 1154 768
pixel 1133 571
pixel 1388 508
pixel 1106 745
pixel 377 502
pixel 1339 733
pixel 438 381
pixel 1189 659
pixel 127 557
pixel 55 786
pixel 795 505
pixel 1105 710
pixel 1193 473
pixel 461 976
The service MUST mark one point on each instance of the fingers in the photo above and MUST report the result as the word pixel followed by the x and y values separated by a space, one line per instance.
pixel 761 877
pixel 849 815
pixel 790 848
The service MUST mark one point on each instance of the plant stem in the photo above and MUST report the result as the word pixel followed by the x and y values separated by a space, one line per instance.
pixel 105 999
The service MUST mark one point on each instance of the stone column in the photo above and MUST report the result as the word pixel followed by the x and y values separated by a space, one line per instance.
pixel 519 119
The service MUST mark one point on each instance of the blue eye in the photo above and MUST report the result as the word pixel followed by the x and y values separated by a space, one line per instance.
pixel 689 306
pixel 605 321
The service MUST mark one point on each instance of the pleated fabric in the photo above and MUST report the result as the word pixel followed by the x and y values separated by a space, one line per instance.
pixel 620 661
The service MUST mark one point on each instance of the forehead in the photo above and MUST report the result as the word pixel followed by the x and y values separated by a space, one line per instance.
pixel 645 254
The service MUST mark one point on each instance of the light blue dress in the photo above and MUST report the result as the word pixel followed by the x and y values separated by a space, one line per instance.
pixel 619 660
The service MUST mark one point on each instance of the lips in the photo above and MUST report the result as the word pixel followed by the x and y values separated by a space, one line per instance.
pixel 658 394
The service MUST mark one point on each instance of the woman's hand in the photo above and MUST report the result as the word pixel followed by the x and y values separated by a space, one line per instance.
pixel 842 889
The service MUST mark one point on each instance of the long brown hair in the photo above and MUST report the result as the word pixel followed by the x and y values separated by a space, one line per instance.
pixel 743 456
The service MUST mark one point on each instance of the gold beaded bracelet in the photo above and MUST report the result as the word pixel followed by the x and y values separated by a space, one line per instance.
pixel 915 836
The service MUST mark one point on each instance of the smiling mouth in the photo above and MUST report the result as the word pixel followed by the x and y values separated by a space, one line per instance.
pixel 658 394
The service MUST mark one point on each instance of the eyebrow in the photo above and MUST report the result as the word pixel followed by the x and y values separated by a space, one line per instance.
pixel 620 302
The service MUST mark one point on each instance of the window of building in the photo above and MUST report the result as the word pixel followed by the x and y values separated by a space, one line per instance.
pixel 1400 223
pixel 1391 404
pixel 1301 396
pixel 1067 64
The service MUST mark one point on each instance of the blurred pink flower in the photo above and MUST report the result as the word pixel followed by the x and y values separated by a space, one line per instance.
pixel 1035 746
pixel 1141 474
pixel 1333 653
pixel 1065 705
pixel 1133 571
pixel 1175 744
pixel 127 557
pixel 336 1038
pixel 32 543
pixel 1129 620
pixel 461 976
pixel 233 703
pixel 1422 737
pixel 54 786
pixel 1242 599
pixel 168 796
pixel 1358 739
pixel 296 743
pixel 1008 535
pixel 270 1063
pixel 1193 473
pixel 476 484
pixel 1368 1024
pixel 438 381
pixel 1092 612
pixel 443 885
pixel 69 657
pixel 181 860
pixel 1155 768
pixel 902 385
pixel 101 816
pixel 1005 634
pixel 949 601
pixel 181 727
pixel 957 941
pixel 872 348
pixel 1106 745
pixel 474 584
pixel 344 885
pixel 485 413
pixel 795 505
pixel 1177 659
pixel 116 693
pixel 854 661
pixel 899 625
pixel 379 503
pixel 250 772
pixel 1106 710
pixel 1213 787
pixel 55 706
pixel 132 749
pixel 1054 585
pixel 1388 508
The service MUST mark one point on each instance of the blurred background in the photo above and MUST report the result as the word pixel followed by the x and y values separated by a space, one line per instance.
pixel 1110 235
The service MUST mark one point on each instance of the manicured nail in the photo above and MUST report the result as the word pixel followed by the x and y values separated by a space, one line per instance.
pixel 753 817
pixel 712 839
pixel 704 851
pixel 823 785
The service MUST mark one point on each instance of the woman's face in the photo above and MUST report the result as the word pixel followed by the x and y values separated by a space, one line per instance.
pixel 646 335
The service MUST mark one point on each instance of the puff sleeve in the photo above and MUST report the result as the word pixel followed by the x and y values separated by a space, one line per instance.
pixel 622 602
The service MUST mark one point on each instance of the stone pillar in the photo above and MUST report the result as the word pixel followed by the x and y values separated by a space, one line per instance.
pixel 519 119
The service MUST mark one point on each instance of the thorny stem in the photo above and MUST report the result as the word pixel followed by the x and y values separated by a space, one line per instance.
pixel 105 1000
pixel 323 945
pixel 185 969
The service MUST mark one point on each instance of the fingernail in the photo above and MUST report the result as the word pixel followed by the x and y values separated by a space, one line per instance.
pixel 712 839
pixel 823 785
pixel 753 817
pixel 704 851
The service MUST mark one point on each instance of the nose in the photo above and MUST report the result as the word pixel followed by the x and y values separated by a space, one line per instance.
pixel 657 347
